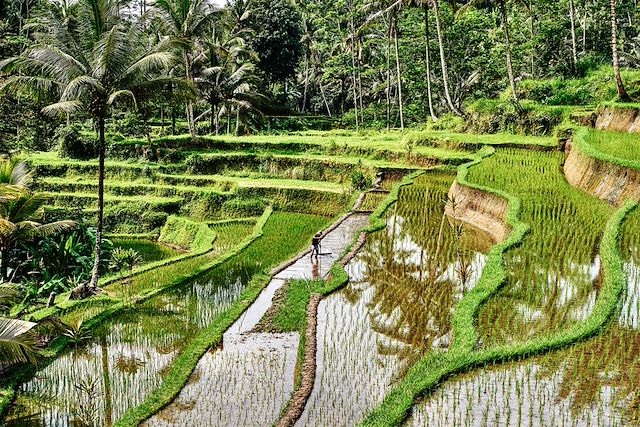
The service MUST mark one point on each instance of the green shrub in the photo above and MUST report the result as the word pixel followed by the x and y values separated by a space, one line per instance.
pixel 238 207
pixel 360 181
pixel 204 207
pixel 72 143
pixel 130 124
pixel 132 217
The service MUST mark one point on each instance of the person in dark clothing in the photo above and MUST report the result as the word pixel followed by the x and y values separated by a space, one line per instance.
pixel 315 245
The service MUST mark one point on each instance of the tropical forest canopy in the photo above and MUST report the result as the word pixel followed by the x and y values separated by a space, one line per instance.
pixel 364 63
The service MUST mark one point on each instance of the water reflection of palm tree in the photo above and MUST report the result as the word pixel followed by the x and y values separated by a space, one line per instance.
pixel 608 363
pixel 410 267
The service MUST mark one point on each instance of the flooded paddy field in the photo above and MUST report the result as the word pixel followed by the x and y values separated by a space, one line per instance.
pixel 397 306
pixel 257 369
pixel 130 354
pixel 554 276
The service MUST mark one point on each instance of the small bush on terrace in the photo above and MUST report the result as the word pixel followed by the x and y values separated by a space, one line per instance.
pixel 73 144
pixel 243 207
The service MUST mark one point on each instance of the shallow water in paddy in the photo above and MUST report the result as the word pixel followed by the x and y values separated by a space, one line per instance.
pixel 403 286
pixel 249 380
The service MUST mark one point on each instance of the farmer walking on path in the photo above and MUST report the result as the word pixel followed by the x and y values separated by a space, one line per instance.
pixel 315 245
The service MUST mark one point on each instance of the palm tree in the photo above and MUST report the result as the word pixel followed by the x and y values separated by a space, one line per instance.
pixel 502 7
pixel 390 12
pixel 92 64
pixel 19 218
pixel 185 21
pixel 622 93
pixel 225 76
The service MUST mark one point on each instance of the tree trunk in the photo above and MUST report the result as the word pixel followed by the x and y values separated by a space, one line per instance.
pixel 306 82
pixel 238 121
pixel 324 98
pixel 162 120
pixel 395 37
pixel 5 264
pixel 584 28
pixel 95 275
pixel 574 45
pixel 213 127
pixel 443 62
pixel 507 43
pixel 427 60
pixel 190 119
pixel 353 73
pixel 622 93
pixel 389 78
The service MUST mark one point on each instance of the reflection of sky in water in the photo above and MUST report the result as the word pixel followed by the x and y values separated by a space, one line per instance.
pixel 366 335
pixel 135 351
pixel 517 396
pixel 629 314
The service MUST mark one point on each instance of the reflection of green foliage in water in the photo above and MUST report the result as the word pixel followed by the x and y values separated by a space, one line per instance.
pixel 553 277
pixel 595 382
pixel 131 352
pixel 415 267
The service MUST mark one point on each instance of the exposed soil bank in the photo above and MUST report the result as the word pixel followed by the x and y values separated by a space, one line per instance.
pixel 619 119
pixel 483 210
pixel 605 180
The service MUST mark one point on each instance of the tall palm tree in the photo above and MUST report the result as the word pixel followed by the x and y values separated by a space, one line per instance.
pixel 186 20
pixel 225 76
pixel 390 10
pixel 622 92
pixel 19 218
pixel 92 64
pixel 443 59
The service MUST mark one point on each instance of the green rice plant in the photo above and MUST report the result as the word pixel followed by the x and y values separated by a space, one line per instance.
pixel 553 275
pixel 430 370
pixel 149 250
pixel 623 145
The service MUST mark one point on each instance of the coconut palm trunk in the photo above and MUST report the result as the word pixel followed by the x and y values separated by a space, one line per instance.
pixel 95 275
pixel 189 73
pixel 353 72
pixel 507 43
pixel 388 91
pixel 427 59
pixel 622 93
pixel 574 43
pixel 398 71
pixel 443 61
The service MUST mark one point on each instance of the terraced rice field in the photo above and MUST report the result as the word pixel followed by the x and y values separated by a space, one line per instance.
pixel 539 330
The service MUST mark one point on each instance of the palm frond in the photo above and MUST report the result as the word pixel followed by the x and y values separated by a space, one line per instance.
pixel 28 207
pixel 52 228
pixel 66 107
pixel 75 87
pixel 120 93
pixel 9 295
pixel 153 61
pixel 18 344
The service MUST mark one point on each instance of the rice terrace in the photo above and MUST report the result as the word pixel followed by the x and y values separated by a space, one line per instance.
pixel 319 213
